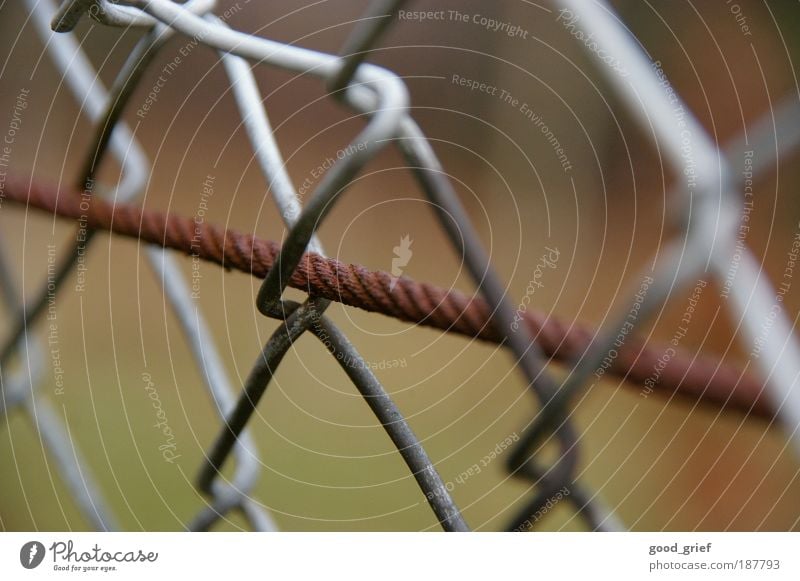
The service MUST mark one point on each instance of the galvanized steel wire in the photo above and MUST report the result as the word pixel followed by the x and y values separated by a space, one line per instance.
pixel 381 96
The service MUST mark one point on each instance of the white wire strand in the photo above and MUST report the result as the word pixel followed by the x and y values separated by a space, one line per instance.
pixel 709 231
pixel 85 85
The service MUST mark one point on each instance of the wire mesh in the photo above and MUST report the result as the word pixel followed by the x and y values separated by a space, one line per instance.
pixel 707 234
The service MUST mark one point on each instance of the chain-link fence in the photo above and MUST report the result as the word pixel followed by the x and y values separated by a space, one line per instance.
pixel 706 243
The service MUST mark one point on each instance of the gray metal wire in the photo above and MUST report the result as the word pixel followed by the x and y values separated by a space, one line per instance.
pixel 709 229
pixel 381 97
pixel 105 109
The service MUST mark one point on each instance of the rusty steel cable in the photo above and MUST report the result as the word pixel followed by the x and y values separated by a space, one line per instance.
pixel 702 379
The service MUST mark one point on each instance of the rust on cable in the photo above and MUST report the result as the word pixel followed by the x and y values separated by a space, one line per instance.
pixel 697 378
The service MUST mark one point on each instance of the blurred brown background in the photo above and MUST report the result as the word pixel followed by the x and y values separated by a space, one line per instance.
pixel 327 465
